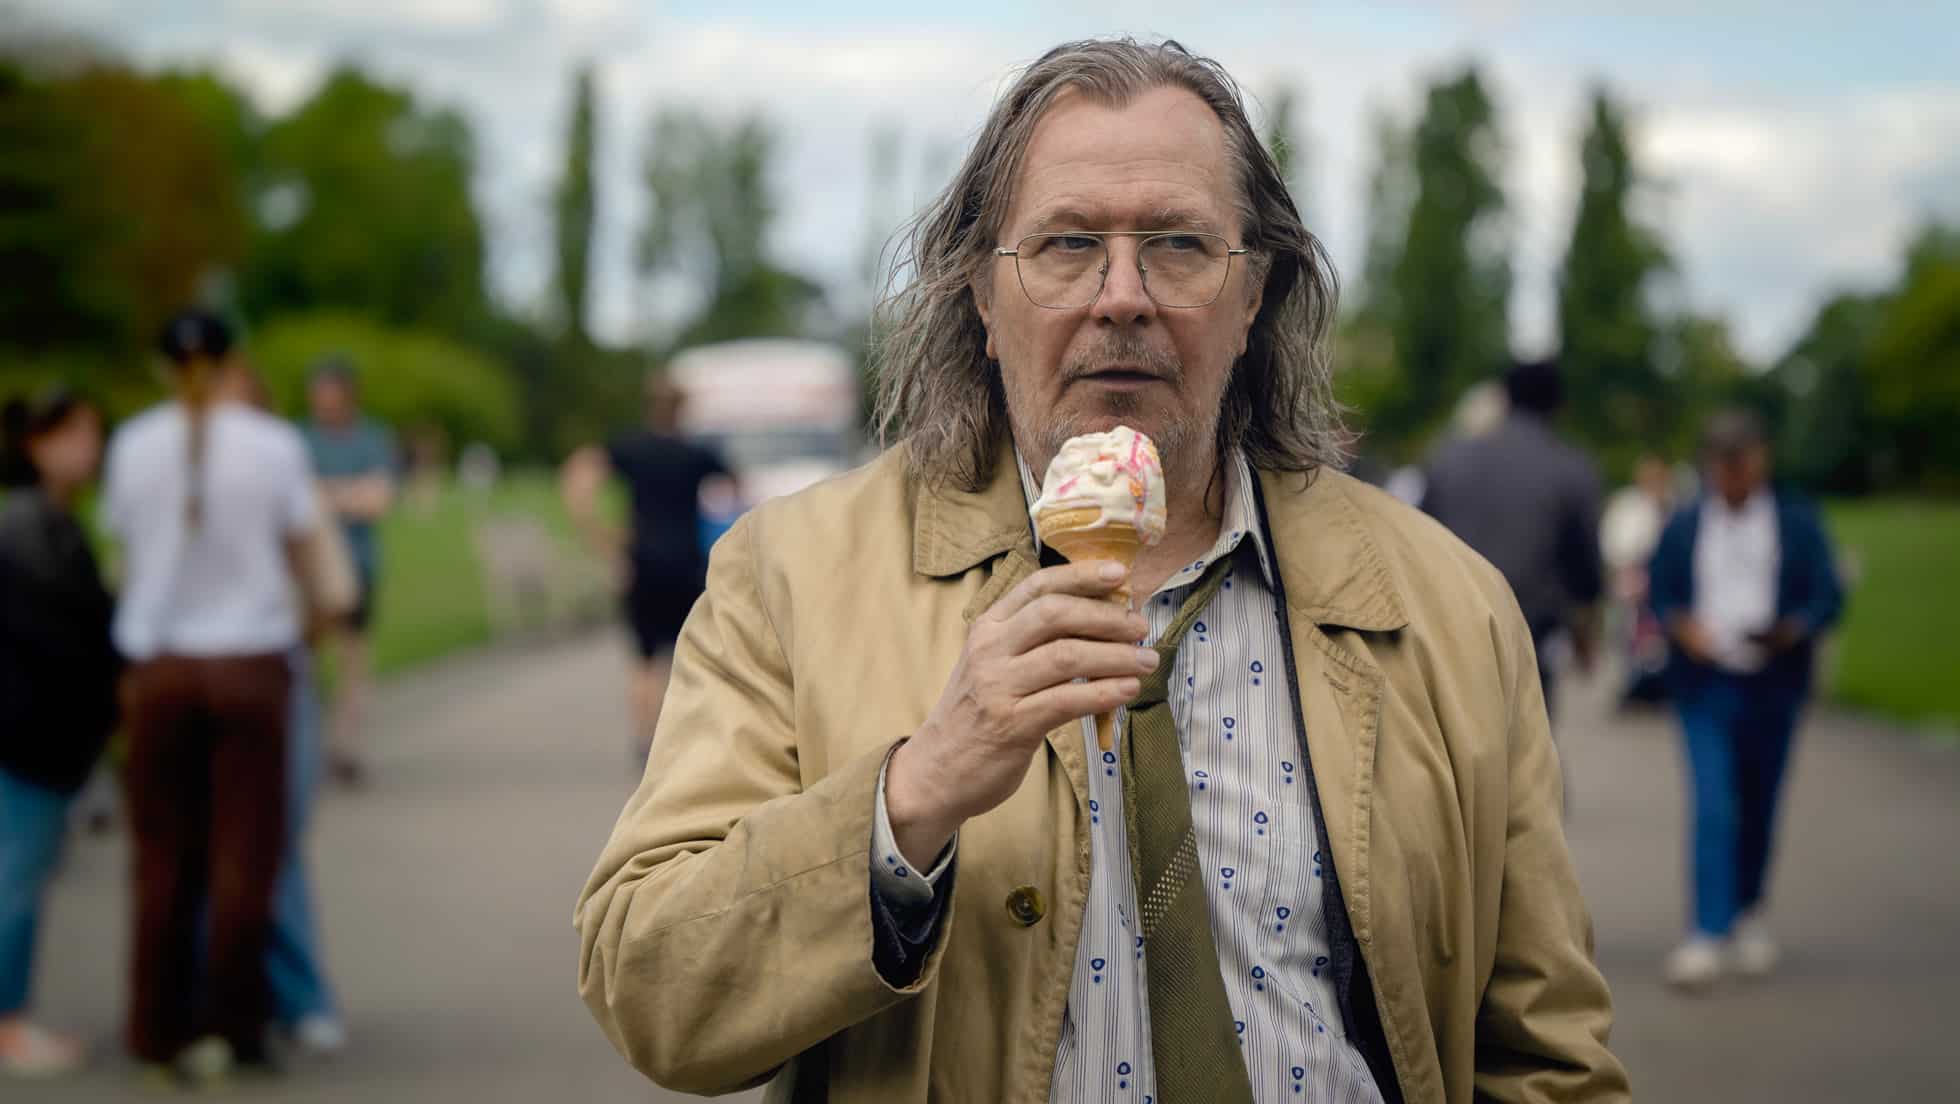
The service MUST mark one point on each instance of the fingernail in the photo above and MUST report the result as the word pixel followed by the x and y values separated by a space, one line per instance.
pixel 1147 658
pixel 1112 571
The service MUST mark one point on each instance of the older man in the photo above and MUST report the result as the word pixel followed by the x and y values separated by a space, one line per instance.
pixel 878 854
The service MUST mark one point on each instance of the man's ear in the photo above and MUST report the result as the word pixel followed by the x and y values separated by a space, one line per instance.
pixel 983 303
pixel 1255 298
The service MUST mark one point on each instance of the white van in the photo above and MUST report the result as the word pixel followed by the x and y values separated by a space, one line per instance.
pixel 782 413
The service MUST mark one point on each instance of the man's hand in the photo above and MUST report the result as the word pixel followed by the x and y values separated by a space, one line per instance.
pixel 1691 636
pixel 361 497
pixel 1782 636
pixel 1013 683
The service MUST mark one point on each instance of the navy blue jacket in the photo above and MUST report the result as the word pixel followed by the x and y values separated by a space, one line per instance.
pixel 1807 587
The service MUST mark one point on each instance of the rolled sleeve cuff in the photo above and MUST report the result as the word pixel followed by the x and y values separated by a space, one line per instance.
pixel 902 886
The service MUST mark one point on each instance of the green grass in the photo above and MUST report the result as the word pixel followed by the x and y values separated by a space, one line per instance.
pixel 433 599
pixel 1895 647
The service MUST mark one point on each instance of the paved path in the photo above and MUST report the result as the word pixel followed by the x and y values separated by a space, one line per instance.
pixel 448 890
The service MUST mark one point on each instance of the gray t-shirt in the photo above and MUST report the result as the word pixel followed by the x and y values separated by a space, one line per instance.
pixel 362 449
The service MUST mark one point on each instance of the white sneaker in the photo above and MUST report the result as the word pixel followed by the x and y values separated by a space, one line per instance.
pixel 1695 964
pixel 206 1063
pixel 320 1035
pixel 1755 949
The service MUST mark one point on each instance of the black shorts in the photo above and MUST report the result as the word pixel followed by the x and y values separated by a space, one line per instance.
pixel 656 611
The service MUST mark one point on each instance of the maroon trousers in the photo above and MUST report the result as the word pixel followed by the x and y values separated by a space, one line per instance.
pixel 206 786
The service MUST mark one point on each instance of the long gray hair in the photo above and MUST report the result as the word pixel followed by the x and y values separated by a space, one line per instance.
pixel 938 388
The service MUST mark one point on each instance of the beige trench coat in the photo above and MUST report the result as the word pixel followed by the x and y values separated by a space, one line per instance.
pixel 726 932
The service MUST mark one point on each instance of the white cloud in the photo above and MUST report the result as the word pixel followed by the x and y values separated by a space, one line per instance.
pixel 1774 206
pixel 438 16
pixel 276 78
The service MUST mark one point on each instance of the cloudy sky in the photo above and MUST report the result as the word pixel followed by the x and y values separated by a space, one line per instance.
pixel 1793 146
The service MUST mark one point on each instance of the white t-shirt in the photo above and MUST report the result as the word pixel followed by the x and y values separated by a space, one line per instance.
pixel 1737 557
pixel 224 587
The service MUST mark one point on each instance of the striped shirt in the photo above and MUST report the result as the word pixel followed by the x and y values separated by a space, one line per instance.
pixel 1257 844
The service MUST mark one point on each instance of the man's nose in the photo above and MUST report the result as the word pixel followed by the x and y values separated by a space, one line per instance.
pixel 1124 299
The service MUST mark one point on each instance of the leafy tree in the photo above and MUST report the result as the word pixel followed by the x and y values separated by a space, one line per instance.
pixel 1913 368
pixel 366 206
pixel 576 211
pixel 1283 140
pixel 1619 402
pixel 116 204
pixel 1391 191
pixel 1369 379
pixel 1451 281
pixel 1829 440
pixel 709 223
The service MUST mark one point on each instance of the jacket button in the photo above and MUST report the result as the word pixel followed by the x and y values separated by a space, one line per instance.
pixel 1026 906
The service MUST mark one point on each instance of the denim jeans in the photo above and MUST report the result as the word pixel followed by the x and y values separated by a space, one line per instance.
pixel 1737 730
pixel 33 820
pixel 299 985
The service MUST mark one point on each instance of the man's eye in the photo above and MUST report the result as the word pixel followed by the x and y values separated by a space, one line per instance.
pixel 1074 243
pixel 1182 243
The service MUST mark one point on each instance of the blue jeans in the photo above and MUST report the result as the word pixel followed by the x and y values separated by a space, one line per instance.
pixel 33 821
pixel 292 957
pixel 1738 731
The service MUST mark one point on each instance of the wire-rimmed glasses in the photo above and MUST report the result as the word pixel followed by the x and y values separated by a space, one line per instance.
pixel 1181 269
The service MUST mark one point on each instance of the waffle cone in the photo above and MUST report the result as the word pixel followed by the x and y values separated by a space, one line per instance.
pixel 1110 542
pixel 1074 534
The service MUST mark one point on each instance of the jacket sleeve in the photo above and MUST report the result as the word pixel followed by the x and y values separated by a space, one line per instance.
pixel 1542 1027
pixel 1670 577
pixel 1823 592
pixel 1578 541
pixel 729 923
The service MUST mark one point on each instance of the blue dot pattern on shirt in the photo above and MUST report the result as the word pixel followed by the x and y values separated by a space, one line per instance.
pixel 1241 745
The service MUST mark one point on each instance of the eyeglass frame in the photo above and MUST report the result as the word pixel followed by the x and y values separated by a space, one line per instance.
pixel 1143 277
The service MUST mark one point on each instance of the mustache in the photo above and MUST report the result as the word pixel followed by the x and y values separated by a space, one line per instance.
pixel 1128 352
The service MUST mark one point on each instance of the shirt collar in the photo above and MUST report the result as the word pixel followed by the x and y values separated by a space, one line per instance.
pixel 1238 525
pixel 1757 506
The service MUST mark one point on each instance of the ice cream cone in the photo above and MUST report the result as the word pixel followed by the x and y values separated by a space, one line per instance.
pixel 1063 531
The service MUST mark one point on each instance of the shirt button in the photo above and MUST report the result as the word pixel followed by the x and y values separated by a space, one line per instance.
pixel 1026 906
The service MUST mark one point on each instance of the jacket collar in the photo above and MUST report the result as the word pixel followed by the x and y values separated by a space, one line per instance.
pixel 1329 565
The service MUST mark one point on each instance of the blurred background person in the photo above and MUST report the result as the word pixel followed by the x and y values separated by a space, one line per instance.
pixel 1529 503
pixel 302 998
pixel 57 686
pixel 354 456
pixel 210 501
pixel 1629 529
pixel 662 563
pixel 1744 582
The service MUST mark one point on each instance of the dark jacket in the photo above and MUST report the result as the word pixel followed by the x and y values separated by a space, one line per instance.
pixel 1529 503
pixel 58 668
pixel 1807 588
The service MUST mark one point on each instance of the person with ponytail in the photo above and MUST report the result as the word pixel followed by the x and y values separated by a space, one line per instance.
pixel 212 501
pixel 57 686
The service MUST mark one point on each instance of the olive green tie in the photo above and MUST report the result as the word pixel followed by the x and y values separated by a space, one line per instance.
pixel 1192 1039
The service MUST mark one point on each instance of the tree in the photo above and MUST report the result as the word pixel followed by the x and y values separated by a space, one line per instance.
pixel 1369 378
pixel 1391 192
pixel 1285 144
pixel 1912 371
pixel 576 210
pixel 366 206
pixel 1619 402
pixel 117 203
pixel 1829 440
pixel 709 225
pixel 1451 281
